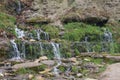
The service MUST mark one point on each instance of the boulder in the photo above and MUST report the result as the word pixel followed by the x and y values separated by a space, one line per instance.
pixel 26 65
pixel 48 62
pixel 111 73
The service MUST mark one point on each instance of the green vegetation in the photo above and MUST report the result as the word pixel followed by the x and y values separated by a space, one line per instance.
pixel 7 23
pixel 31 70
pixel 77 32
pixel 52 30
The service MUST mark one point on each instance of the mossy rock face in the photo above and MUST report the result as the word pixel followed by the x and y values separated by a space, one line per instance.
pixel 38 20
pixel 70 17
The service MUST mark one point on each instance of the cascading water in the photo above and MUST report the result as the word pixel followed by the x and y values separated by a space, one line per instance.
pixel 57 56
pixel 107 39
pixel 41 48
pixel 16 53
pixel 87 44
pixel 19 9
pixel 39 35
pixel 19 32
pixel 46 36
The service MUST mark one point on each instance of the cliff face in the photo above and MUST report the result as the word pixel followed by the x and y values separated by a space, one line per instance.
pixel 93 11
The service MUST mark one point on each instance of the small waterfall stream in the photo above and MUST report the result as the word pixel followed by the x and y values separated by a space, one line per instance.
pixel 35 45
pixel 19 32
pixel 40 35
pixel 19 8
pixel 16 54
pixel 57 56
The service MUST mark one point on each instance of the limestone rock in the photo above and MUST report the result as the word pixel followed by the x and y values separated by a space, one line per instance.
pixel 90 79
pixel 26 65
pixel 92 11
pixel 43 58
pixel 39 78
pixel 111 73
pixel 79 75
pixel 73 60
pixel 30 76
pixel 32 40
pixel 48 62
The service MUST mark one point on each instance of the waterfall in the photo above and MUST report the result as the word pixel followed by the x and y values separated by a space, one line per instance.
pixel 16 54
pixel 23 50
pixel 41 48
pixel 87 44
pixel 39 35
pixel 19 32
pixel 46 36
pixel 19 7
pixel 57 56
pixel 107 39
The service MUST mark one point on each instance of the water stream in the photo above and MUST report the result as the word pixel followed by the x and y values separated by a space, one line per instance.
pixel 16 53
pixel 19 8
pixel 57 56
pixel 19 32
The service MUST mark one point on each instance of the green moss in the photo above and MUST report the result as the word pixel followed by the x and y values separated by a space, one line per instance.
pixel 52 30
pixel 62 68
pixel 31 70
pixel 74 69
pixel 77 31
pixel 38 20
pixel 24 71
pixel 7 22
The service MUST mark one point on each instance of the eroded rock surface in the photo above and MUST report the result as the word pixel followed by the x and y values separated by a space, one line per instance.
pixel 92 11
pixel 112 72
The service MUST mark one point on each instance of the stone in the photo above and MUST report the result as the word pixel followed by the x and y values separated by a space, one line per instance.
pixel 39 78
pixel 111 73
pixel 48 62
pixel 32 40
pixel 98 11
pixel 26 65
pixel 1 75
pixel 86 59
pixel 73 59
pixel 45 71
pixel 79 75
pixel 114 58
pixel 90 79
pixel 41 59
pixel 30 76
